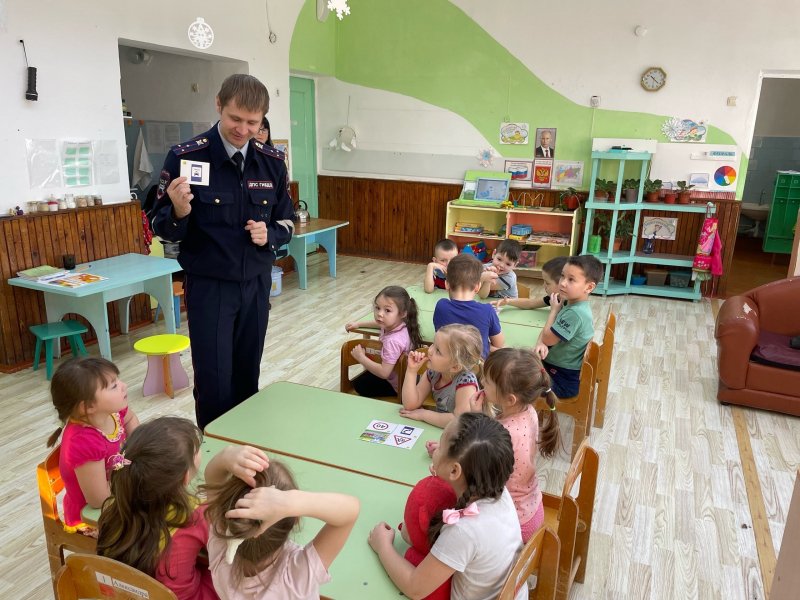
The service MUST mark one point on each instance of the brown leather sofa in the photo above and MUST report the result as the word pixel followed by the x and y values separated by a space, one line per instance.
pixel 757 367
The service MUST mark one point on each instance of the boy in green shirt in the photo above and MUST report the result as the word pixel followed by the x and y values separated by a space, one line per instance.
pixel 569 327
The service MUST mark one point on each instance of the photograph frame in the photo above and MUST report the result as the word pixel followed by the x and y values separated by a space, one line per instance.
pixel 283 146
pixel 699 180
pixel 567 174
pixel 538 142
pixel 542 173
pixel 516 168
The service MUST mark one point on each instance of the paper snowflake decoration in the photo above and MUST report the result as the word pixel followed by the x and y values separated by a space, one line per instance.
pixel 486 157
pixel 200 34
pixel 340 6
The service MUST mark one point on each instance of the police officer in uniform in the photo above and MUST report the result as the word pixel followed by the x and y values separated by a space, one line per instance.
pixel 229 232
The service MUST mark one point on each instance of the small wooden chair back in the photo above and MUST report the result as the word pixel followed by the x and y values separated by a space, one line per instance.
pixel 48 477
pixel 573 517
pixel 539 555
pixel 579 407
pixel 90 576
pixel 604 371
pixel 373 349
pixel 523 291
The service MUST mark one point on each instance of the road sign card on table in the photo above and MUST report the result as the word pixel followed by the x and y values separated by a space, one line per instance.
pixel 391 434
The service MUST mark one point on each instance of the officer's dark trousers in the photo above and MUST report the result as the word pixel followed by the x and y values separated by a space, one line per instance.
pixel 227 327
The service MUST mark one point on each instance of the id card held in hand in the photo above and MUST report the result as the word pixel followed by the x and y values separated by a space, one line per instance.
pixel 196 172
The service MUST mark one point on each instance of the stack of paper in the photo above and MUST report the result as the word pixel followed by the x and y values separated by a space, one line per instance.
pixel 42 273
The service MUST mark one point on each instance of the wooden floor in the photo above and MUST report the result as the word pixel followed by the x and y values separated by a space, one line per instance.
pixel 672 518
pixel 752 266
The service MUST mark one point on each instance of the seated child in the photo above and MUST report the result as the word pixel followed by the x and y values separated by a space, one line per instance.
pixel 478 541
pixel 453 358
pixel 152 522
pixel 513 379
pixel 551 275
pixel 92 403
pixel 251 516
pixel 426 501
pixel 436 272
pixel 463 283
pixel 569 327
pixel 396 316
pixel 498 279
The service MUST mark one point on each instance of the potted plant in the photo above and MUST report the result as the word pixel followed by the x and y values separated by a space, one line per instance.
pixel 670 196
pixel 631 187
pixel 602 189
pixel 652 188
pixel 569 199
pixel 684 195
pixel 623 231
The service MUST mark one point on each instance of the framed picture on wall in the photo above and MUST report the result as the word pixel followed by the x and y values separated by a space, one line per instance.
pixel 542 173
pixel 699 180
pixel 283 146
pixel 545 143
pixel 521 171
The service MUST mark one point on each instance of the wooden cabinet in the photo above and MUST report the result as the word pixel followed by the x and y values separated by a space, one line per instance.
pixel 631 257
pixel 553 232
pixel 783 213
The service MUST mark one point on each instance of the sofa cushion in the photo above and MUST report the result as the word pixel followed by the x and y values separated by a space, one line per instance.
pixel 775 350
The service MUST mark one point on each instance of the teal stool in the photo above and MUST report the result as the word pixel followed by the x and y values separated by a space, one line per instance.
pixel 46 333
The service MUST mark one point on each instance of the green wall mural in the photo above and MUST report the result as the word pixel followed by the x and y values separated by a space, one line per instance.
pixel 432 51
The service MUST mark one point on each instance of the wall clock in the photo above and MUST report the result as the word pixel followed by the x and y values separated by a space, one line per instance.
pixel 653 79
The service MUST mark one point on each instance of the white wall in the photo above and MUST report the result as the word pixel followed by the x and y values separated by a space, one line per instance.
pixel 74 45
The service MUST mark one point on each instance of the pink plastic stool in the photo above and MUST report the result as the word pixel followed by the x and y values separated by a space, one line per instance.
pixel 165 373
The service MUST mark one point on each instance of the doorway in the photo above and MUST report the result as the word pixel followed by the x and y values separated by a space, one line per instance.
pixel 302 114
pixel 775 147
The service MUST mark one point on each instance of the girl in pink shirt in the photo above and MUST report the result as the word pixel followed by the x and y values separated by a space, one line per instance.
pixel 396 316
pixel 251 515
pixel 152 522
pixel 513 379
pixel 92 404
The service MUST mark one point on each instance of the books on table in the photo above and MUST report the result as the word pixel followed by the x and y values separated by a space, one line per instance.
pixel 60 277
pixel 42 273
pixel 73 280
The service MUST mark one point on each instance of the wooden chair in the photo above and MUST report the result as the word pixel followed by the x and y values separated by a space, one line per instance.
pixel 604 370
pixel 56 539
pixel 90 576
pixel 571 517
pixel 579 407
pixel 540 554
pixel 373 350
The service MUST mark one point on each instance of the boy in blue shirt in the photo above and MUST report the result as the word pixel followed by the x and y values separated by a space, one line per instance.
pixel 569 327
pixel 463 282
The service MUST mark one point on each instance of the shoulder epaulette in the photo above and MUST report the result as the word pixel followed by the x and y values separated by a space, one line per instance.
pixel 270 151
pixel 191 145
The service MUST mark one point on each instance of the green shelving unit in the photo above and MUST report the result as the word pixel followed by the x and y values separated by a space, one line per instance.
pixel 779 235
pixel 631 257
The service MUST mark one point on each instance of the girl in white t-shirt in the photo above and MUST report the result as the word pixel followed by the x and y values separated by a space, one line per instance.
pixel 396 316
pixel 452 359
pixel 251 515
pixel 479 540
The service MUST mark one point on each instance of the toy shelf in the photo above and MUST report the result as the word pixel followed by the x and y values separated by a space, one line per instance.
pixel 631 257
pixel 541 220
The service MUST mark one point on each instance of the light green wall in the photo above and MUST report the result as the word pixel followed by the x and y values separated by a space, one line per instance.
pixel 432 51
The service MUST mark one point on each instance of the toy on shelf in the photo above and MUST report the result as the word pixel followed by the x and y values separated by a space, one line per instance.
pixel 527 259
pixel 478 249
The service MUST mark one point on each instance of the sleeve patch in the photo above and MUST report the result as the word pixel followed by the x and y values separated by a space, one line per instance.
pixel 163 182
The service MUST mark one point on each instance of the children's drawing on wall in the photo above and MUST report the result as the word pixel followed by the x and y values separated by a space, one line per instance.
pixel 542 173
pixel 514 133
pixel 660 228
pixel 567 173
pixel 699 180
pixel 521 172
pixel 545 142
pixel 684 130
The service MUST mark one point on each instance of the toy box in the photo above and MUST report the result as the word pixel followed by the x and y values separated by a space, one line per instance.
pixel 521 230
pixel 680 279
pixel 527 259
pixel 656 276
pixel 478 249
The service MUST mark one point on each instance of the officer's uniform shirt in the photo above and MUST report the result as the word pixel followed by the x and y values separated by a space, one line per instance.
pixel 214 242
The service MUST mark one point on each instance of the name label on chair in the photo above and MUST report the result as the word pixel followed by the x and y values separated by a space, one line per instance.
pixel 107 584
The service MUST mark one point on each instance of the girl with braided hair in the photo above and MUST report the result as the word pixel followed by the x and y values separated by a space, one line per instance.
pixel 476 542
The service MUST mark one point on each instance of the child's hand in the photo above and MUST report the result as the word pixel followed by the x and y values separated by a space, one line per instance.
pixel 476 401
pixel 381 537
pixel 555 301
pixel 418 414
pixel 350 326
pixel 489 274
pixel 359 353
pixel 245 461
pixel 435 266
pixel 499 303
pixel 416 360
pixel 431 447
pixel 266 504
pixel 541 350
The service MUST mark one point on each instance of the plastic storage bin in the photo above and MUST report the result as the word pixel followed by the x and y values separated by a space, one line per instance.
pixel 638 280
pixel 656 276
pixel 680 279
pixel 521 230
pixel 277 279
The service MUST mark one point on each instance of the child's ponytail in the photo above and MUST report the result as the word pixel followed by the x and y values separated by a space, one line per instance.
pixel 51 441
pixel 412 324
pixel 549 427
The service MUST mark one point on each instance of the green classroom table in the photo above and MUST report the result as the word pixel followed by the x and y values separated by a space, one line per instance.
pixel 324 426
pixel 356 573
pixel 521 328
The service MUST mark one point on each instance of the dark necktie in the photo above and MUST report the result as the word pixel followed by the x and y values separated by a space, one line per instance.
pixel 239 160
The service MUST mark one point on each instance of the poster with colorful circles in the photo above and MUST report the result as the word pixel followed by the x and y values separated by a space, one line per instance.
pixel 725 176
